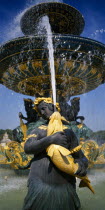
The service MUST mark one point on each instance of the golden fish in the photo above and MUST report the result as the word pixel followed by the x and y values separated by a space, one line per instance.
pixel 60 156
pixel 62 159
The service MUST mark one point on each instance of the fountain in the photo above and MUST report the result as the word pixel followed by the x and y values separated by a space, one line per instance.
pixel 79 62
pixel 25 68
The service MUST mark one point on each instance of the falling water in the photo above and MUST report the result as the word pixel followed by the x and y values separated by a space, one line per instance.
pixel 46 25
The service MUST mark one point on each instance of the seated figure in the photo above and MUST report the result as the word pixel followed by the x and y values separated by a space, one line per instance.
pixel 32 115
pixel 70 112
pixel 32 118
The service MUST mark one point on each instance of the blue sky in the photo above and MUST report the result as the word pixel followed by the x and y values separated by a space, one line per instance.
pixel 92 104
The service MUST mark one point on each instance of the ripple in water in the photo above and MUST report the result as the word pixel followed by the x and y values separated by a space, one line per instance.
pixel 14 190
pixel 10 181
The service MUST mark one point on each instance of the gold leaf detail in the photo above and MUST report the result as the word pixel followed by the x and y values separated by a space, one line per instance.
pixel 31 135
pixel 43 127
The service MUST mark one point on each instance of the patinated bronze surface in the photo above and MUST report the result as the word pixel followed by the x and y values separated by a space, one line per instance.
pixel 64 19
pixel 24 65
pixel 79 62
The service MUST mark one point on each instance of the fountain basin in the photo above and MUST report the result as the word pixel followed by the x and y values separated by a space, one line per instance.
pixel 63 18
pixel 79 65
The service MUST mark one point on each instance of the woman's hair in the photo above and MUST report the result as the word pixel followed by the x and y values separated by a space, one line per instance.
pixel 48 101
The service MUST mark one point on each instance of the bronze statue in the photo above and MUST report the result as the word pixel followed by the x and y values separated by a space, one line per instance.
pixel 70 112
pixel 55 189
pixel 32 115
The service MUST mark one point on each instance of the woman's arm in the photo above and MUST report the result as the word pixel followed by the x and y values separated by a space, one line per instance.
pixel 35 144
pixel 38 141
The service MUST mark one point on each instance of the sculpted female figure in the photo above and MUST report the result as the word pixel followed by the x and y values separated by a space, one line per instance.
pixel 48 187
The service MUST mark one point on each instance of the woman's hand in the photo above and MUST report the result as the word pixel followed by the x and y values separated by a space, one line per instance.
pixel 81 170
pixel 59 138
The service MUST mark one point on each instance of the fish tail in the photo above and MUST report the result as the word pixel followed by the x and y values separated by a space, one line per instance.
pixel 86 184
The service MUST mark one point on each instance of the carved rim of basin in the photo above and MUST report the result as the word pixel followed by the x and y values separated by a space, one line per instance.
pixel 63 18
pixel 79 65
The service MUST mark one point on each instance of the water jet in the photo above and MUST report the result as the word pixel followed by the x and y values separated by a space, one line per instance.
pixel 79 62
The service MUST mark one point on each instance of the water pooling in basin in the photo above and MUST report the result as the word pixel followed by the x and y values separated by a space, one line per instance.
pixel 13 190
